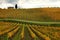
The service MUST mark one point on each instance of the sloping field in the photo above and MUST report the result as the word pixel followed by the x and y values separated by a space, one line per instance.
pixel 30 24
pixel 19 31
pixel 37 14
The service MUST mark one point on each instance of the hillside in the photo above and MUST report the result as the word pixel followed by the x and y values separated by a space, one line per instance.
pixel 37 14
pixel 26 24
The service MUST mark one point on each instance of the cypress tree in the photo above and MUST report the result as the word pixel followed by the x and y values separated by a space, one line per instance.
pixel 16 6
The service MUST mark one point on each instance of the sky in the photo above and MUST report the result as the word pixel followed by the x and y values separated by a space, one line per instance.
pixel 29 3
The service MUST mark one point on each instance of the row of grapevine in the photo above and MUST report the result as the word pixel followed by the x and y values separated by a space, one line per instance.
pixel 50 31
pixel 8 30
pixel 35 32
pixel 40 34
pixel 16 33
pixel 6 25
pixel 31 33
pixel 22 33
pixel 10 34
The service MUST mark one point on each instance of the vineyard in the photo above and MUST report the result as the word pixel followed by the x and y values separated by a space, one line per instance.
pixel 30 24
pixel 23 31
pixel 38 14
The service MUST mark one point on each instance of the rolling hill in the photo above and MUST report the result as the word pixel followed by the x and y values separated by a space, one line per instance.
pixel 36 14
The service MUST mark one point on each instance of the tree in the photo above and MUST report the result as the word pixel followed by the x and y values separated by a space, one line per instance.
pixel 16 6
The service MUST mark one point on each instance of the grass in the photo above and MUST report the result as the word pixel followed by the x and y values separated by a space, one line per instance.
pixel 4 37
pixel 31 22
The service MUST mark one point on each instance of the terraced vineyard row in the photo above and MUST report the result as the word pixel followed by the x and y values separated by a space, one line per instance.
pixel 19 31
